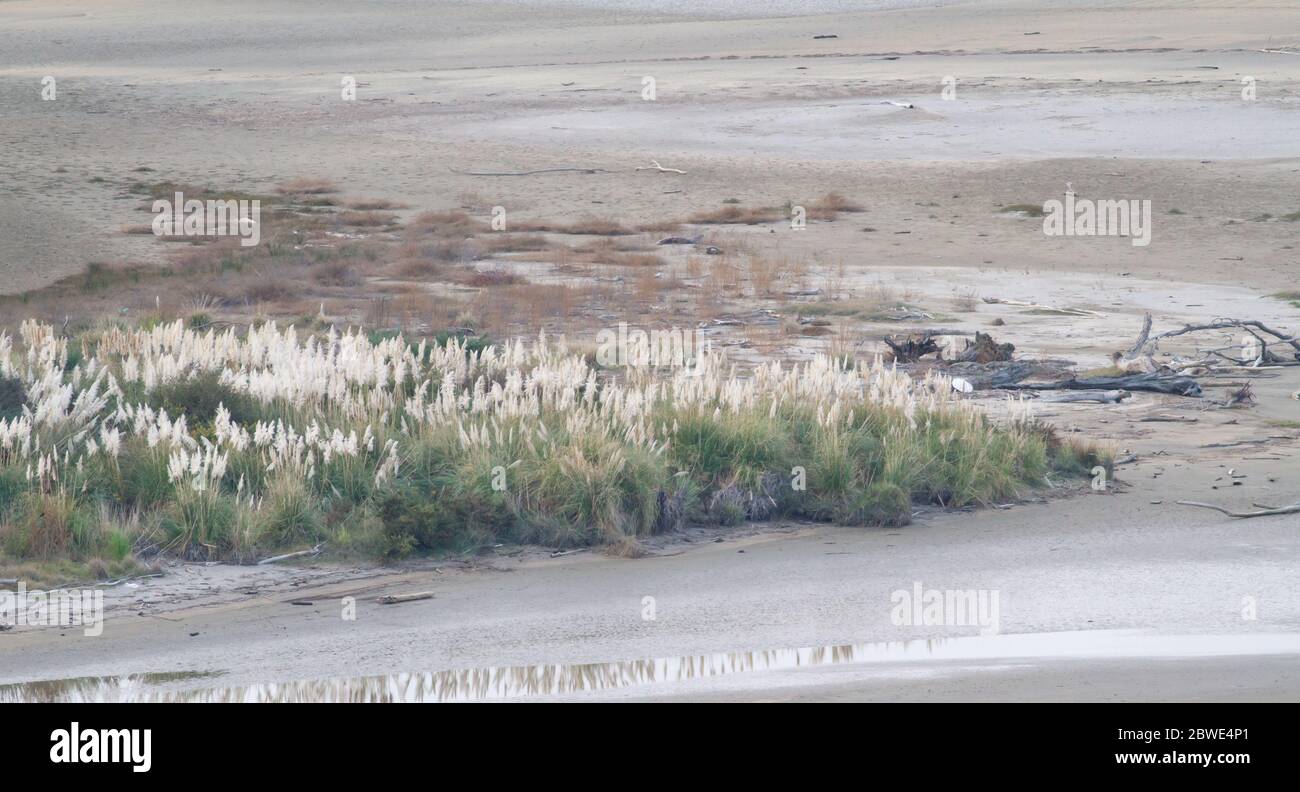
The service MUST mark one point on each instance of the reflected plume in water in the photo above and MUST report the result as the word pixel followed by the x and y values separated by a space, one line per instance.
pixel 95 688
pixel 475 684
pixel 510 682
pixel 507 682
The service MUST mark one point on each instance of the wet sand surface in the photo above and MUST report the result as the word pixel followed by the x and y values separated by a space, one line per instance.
pixel 1091 563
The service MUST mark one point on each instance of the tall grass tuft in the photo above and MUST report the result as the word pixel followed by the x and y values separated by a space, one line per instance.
pixel 220 444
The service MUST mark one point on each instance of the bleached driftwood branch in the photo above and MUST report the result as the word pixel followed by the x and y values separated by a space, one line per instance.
pixel 273 559
pixel 1139 357
pixel 1225 324
pixel 1041 307
pixel 397 599
pixel 1264 511
pixel 655 166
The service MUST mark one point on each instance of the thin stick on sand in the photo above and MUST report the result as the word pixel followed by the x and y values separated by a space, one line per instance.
pixel 655 166
pixel 1264 511
pixel 275 559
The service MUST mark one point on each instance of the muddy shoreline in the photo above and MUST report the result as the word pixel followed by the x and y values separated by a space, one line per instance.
pixel 1125 560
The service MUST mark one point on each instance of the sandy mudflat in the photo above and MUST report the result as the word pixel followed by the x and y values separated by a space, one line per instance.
pixel 1116 100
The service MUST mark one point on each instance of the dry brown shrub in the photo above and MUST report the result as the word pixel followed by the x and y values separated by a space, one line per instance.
pixel 414 268
pixel 373 204
pixel 454 223
pixel 762 274
pixel 366 219
pixel 512 243
pixel 607 245
pixel 742 215
pixel 724 275
pixel 490 278
pixel 589 226
pixel 423 259
pixel 306 186
pixel 648 260
pixel 830 206
pixel 268 290
pixel 597 226
pixel 661 227
pixel 336 273
pixel 647 287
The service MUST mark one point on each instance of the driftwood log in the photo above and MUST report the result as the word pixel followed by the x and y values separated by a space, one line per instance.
pixel 397 599
pixel 676 240
pixel 912 347
pixel 275 559
pixel 1264 511
pixel 1154 383
pixel 1101 397
pixel 985 350
pixel 1140 356
pixel 988 376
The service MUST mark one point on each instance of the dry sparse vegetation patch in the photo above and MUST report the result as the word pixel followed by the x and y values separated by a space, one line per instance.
pixel 739 215
pixel 1292 296
pixel 830 206
pixel 614 244
pixel 268 290
pixel 502 242
pixel 587 226
pixel 661 227
pixel 366 219
pixel 966 301
pixel 490 278
pixel 637 260
pixel 446 223
pixel 306 186
pixel 373 204
pixel 168 190
pixel 337 273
